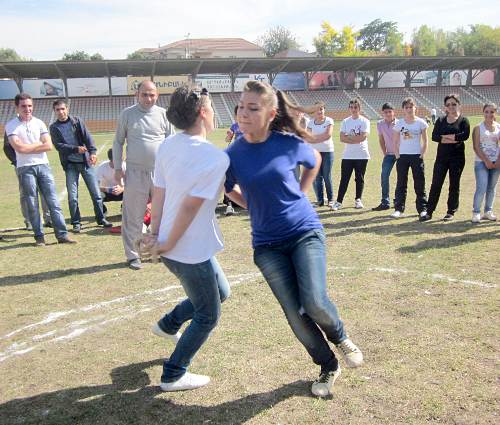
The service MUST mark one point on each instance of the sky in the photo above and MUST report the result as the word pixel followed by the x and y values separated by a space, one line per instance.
pixel 45 30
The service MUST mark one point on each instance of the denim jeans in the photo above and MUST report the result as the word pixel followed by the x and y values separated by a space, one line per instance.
pixel 24 206
pixel 486 184
pixel 31 177
pixel 73 171
pixel 206 287
pixel 387 165
pixel 295 270
pixel 324 175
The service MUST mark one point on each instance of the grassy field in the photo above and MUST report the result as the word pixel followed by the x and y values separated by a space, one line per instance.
pixel 420 299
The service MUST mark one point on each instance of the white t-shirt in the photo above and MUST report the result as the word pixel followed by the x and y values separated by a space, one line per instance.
pixel 409 135
pixel 327 145
pixel 106 175
pixel 489 141
pixel 191 166
pixel 354 127
pixel 28 132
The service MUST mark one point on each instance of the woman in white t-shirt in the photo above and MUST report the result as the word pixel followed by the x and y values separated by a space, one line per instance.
pixel 354 133
pixel 486 138
pixel 189 173
pixel 410 140
pixel 321 128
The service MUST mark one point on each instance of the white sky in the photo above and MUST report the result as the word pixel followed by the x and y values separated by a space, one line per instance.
pixel 45 30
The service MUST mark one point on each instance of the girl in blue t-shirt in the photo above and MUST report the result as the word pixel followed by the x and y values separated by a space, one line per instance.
pixel 288 238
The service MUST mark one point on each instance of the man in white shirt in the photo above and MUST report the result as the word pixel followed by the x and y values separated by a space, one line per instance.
pixel 31 140
pixel 111 188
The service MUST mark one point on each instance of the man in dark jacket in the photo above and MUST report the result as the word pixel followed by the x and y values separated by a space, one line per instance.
pixel 77 153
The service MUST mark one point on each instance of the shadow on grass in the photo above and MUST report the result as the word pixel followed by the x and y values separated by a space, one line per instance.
pixel 56 274
pixel 131 399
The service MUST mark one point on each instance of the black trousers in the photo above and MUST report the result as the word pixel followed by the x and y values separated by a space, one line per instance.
pixel 454 166
pixel 346 168
pixel 109 197
pixel 403 165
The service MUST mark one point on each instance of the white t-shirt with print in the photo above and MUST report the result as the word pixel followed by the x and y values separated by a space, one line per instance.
pixel 191 166
pixel 354 127
pixel 409 135
pixel 489 141
pixel 106 175
pixel 315 129
pixel 28 132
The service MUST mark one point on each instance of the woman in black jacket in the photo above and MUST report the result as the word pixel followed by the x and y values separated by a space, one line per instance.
pixel 450 132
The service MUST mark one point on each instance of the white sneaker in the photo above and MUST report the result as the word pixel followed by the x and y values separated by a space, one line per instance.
pixel 488 215
pixel 159 332
pixel 336 206
pixel 476 217
pixel 331 204
pixel 396 214
pixel 229 210
pixel 322 387
pixel 188 381
pixel 358 204
pixel 352 354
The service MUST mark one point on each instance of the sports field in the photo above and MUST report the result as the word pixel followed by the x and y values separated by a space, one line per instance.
pixel 420 299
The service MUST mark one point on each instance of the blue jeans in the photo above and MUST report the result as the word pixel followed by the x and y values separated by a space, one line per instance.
pixel 324 175
pixel 387 165
pixel 31 177
pixel 295 270
pixel 206 287
pixel 73 171
pixel 486 184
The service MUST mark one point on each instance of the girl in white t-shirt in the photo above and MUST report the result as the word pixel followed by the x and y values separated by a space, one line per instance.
pixel 321 128
pixel 410 145
pixel 486 139
pixel 189 173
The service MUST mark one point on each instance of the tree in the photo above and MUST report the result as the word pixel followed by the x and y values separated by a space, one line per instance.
pixel 137 55
pixel 276 40
pixel 10 55
pixel 377 34
pixel 331 42
pixel 482 40
pixel 80 55
pixel 97 57
pixel 424 42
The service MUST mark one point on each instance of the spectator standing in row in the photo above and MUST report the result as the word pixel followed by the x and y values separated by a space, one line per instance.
pixel 77 152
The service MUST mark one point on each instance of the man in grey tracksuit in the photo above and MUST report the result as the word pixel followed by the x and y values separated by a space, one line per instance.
pixel 144 126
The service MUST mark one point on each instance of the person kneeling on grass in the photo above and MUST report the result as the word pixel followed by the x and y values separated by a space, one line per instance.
pixel 188 179
pixel 288 238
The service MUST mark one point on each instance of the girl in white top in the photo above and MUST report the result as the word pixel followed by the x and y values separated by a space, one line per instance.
pixel 321 128
pixel 189 173
pixel 485 138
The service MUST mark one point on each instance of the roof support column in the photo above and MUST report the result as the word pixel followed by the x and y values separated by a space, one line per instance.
pixel 375 79
pixel 468 82
pixel 439 79
pixel 408 79
pixel 308 79
pixel 497 77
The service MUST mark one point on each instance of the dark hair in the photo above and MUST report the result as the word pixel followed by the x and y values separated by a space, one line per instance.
pixel 58 102
pixel 235 110
pixel 452 96
pixel 185 105
pixel 355 102
pixel 408 101
pixel 387 106
pixel 110 154
pixel 283 121
pixel 21 96
pixel 490 105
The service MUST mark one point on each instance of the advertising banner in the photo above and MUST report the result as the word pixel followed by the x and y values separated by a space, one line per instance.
pixel 220 83
pixel 485 78
pixel 119 86
pixel 290 81
pixel 8 89
pixel 44 88
pixel 164 84
pixel 392 79
pixel 88 87
pixel 330 80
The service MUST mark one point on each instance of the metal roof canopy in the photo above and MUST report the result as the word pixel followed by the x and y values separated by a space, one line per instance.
pixel 123 68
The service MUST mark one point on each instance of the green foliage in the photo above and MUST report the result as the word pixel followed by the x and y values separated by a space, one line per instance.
pixel 137 55
pixel 10 55
pixel 276 40
pixel 80 55
pixel 380 36
pixel 331 42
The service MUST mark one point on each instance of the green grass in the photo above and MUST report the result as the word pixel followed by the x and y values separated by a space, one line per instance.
pixel 420 299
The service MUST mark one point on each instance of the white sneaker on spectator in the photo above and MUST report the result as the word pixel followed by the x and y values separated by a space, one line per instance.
pixel 159 332
pixel 396 214
pixel 229 210
pixel 476 218
pixel 488 215
pixel 336 206
pixel 188 381
pixel 351 353
pixel 358 204
pixel 322 387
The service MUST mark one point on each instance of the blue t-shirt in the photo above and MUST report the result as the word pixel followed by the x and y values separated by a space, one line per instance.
pixel 235 128
pixel 279 210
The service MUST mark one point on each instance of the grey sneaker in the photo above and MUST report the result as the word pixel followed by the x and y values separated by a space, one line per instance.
pixel 135 264
pixel 322 387
pixel 160 332
pixel 336 206
pixel 65 239
pixel 77 228
pixel 40 241
pixel 352 354
pixel 188 381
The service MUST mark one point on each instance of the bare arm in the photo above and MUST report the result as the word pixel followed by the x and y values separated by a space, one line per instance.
pixel 425 142
pixel 322 137
pixel 396 138
pixel 309 174
pixel 44 145
pixel 381 142
pixel 477 148
pixel 237 197
pixel 353 139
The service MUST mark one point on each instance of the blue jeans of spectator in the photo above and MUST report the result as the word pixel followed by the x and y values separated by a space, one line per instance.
pixel 206 287
pixel 324 175
pixel 31 177
pixel 486 186
pixel 387 165
pixel 295 270
pixel 24 206
pixel 73 171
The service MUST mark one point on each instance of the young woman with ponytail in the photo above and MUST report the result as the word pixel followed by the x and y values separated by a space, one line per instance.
pixel 288 238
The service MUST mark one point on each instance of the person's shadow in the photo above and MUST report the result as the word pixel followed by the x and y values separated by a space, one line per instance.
pixel 130 399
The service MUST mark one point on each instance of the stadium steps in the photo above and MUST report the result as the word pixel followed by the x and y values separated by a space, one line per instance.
pixel 372 114
pixel 221 107
pixel 466 92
